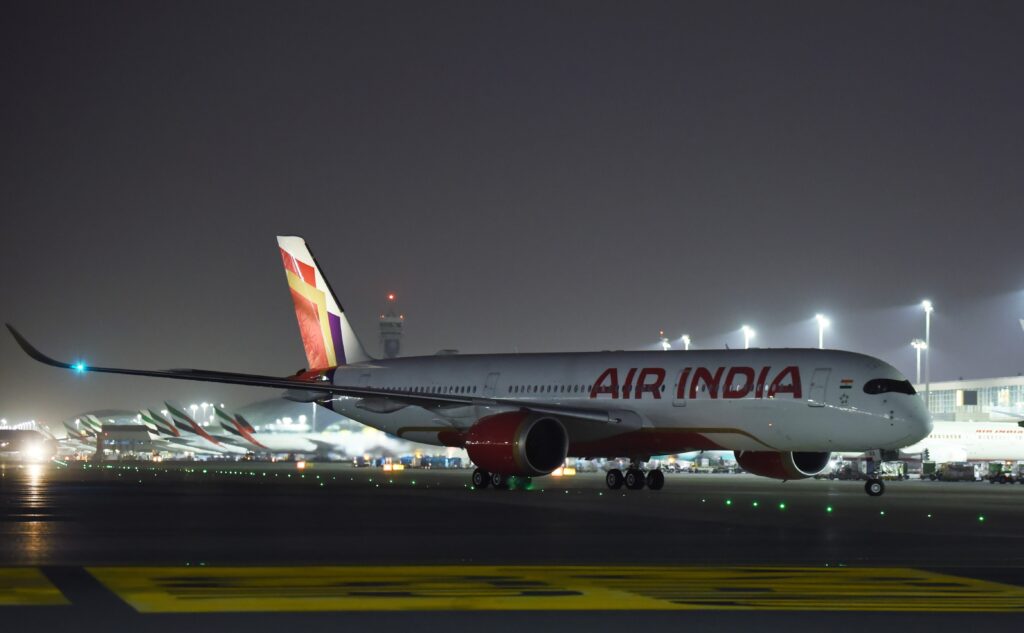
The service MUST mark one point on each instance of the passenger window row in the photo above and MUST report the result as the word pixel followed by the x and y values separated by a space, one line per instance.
pixel 437 389
pixel 549 389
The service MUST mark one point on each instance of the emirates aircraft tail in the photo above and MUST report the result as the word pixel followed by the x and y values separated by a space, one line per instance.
pixel 327 336
pixel 158 424
pixel 238 427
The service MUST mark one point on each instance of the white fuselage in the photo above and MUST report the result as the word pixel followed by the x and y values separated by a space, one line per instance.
pixel 971 441
pixel 653 403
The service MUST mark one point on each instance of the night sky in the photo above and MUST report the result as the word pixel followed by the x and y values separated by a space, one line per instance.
pixel 531 176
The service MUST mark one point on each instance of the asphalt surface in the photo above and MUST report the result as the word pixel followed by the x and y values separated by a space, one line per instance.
pixel 67 522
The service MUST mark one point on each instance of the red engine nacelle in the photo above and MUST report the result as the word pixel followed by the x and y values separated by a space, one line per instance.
pixel 517 443
pixel 783 466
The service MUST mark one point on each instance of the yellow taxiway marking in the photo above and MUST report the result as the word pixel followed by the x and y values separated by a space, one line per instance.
pixel 26 586
pixel 556 588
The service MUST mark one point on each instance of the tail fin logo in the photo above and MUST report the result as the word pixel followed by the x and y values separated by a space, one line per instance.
pixel 327 337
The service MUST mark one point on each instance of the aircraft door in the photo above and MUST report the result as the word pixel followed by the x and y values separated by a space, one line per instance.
pixel 819 387
pixel 491 386
pixel 676 400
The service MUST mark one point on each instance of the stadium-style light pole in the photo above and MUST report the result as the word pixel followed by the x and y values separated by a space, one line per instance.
pixel 918 345
pixel 665 345
pixel 686 342
pixel 823 323
pixel 926 305
pixel 748 333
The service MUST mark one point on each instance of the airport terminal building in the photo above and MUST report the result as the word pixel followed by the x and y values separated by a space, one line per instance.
pixel 978 400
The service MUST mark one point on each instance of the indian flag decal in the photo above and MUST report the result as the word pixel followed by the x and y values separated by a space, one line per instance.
pixel 846 383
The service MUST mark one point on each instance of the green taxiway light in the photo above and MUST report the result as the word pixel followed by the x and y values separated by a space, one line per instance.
pixel 981 518
pixel 828 509
pixel 728 502
pixel 755 504
pixel 782 506
pixel 881 513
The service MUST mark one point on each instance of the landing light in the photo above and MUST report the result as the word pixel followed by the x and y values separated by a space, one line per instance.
pixel 34 453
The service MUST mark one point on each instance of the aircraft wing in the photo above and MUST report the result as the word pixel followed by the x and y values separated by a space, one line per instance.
pixel 319 383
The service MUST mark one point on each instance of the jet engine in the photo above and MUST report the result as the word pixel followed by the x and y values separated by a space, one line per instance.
pixel 517 443
pixel 787 465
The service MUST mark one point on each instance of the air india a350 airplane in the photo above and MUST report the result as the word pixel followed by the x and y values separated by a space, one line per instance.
pixel 783 411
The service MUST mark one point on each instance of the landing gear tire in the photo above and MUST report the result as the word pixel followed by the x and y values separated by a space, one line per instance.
pixel 481 478
pixel 655 480
pixel 634 479
pixel 874 487
pixel 499 481
pixel 614 479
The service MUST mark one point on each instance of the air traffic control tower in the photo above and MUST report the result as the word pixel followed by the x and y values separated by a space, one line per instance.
pixel 391 329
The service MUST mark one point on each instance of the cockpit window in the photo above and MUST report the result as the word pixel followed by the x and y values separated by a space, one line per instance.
pixel 887 385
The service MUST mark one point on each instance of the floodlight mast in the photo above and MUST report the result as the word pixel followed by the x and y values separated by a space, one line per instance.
pixel 748 333
pixel 918 345
pixel 926 305
pixel 823 322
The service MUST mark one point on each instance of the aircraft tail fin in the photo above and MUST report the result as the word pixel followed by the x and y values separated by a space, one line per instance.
pixel 165 426
pixel 156 424
pixel 237 427
pixel 187 424
pixel 327 336
pixel 244 423
pixel 93 424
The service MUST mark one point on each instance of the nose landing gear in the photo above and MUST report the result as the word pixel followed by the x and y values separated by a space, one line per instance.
pixel 874 487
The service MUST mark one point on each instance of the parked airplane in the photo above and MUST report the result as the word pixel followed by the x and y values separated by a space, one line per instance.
pixel 165 437
pixel 783 411
pixel 272 443
pixel 971 441
pixel 198 437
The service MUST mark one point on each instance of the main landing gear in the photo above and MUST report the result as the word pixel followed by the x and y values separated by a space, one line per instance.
pixel 483 479
pixel 634 478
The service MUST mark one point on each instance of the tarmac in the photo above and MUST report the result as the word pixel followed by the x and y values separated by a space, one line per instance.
pixel 260 546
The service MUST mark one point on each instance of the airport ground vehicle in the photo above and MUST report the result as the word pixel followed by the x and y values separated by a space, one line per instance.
pixel 893 470
pixel 1005 473
pixel 955 471
pixel 782 411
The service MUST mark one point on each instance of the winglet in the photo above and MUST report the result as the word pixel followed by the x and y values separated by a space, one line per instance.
pixel 33 352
